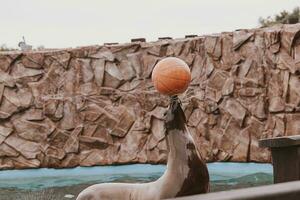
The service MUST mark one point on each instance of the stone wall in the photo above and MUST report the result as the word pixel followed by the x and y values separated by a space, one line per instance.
pixel 96 105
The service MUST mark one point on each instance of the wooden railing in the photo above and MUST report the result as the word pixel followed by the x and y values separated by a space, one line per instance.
pixel 280 191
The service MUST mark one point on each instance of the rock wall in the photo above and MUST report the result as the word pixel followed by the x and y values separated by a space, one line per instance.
pixel 97 106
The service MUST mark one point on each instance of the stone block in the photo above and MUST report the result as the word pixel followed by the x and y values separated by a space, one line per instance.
pixel 236 110
pixel 28 149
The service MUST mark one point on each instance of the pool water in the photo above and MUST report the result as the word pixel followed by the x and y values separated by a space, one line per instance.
pixel 67 183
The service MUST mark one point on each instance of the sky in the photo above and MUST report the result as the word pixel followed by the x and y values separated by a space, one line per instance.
pixel 72 23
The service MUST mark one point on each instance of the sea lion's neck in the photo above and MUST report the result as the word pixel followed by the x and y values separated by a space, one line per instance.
pixel 177 135
pixel 181 149
pixel 186 172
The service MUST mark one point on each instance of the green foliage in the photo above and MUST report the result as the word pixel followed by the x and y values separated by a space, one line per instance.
pixel 283 17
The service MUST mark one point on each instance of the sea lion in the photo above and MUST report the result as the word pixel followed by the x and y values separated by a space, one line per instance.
pixel 186 172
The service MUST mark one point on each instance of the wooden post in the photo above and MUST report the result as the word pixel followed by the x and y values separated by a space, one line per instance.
pixel 286 157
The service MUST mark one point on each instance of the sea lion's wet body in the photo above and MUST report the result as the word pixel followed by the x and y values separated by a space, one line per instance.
pixel 186 173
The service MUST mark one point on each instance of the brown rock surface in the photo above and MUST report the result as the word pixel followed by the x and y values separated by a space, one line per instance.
pixel 236 110
pixel 96 105
pixel 4 133
pixel 28 149
pixel 7 151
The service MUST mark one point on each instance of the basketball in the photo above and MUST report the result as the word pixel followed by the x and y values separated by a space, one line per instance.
pixel 171 76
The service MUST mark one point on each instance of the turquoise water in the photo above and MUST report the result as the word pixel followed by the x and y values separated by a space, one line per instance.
pixel 220 174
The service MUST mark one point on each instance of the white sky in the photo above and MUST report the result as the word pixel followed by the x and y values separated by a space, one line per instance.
pixel 71 23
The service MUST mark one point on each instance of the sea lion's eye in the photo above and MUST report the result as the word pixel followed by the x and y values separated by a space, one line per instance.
pixel 165 113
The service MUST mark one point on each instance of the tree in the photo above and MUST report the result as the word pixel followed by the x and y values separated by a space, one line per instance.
pixel 283 17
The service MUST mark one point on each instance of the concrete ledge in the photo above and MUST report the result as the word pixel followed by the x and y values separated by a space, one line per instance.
pixel 286 141
pixel 286 191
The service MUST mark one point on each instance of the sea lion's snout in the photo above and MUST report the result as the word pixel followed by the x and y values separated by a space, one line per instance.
pixel 174 116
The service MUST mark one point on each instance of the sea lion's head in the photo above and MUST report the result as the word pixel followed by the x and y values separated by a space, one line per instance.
pixel 175 117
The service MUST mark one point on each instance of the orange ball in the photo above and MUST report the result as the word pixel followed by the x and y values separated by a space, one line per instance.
pixel 171 76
